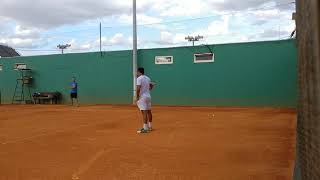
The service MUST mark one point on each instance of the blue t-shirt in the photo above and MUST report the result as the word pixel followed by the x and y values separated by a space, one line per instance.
pixel 74 86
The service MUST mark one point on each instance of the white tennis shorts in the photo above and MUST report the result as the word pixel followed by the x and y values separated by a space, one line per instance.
pixel 144 103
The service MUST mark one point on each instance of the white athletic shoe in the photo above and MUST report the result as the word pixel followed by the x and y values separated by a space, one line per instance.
pixel 141 131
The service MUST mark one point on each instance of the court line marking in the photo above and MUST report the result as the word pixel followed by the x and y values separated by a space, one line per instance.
pixel 88 164
pixel 51 133
pixel 172 135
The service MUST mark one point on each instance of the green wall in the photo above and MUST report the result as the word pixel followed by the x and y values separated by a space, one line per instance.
pixel 101 80
pixel 244 74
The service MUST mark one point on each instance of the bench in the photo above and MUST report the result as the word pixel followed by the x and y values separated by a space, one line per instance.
pixel 41 97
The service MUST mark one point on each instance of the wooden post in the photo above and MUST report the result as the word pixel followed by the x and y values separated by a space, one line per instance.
pixel 308 127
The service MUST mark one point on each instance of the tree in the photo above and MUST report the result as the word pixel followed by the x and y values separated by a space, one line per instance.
pixel 308 126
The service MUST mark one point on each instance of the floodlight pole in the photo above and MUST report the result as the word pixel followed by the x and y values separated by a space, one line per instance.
pixel 134 52
pixel 63 47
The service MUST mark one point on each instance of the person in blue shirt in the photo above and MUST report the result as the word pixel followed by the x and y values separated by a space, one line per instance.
pixel 74 91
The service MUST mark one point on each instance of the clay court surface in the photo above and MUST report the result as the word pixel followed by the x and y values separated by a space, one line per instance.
pixel 101 143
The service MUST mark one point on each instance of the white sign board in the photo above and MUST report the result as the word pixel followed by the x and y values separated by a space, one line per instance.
pixel 164 59
pixel 18 66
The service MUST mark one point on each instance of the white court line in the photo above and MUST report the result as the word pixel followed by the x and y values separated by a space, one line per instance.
pixel 86 166
pixel 51 133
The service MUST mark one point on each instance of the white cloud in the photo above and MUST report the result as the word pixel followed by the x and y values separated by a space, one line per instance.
pixel 24 42
pixel 250 21
pixel 48 14
pixel 266 13
pixel 77 46
pixel 179 38
pixel 23 32
pixel 219 27
pixel 21 37
pixel 240 5
pixel 181 8
pixel 274 33
pixel 118 39
pixel 168 38
pixel 271 33
pixel 289 28
pixel 86 46
pixel 104 41
pixel 215 28
pixel 17 42
pixel 51 14
pixel 72 42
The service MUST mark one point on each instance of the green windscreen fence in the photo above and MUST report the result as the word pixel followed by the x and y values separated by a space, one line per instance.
pixel 247 74
pixel 243 74
pixel 103 79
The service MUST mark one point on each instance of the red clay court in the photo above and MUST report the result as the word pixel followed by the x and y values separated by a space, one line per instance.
pixel 188 143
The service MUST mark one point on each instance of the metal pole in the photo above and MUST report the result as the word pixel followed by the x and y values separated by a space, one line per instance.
pixel 134 52
pixel 100 41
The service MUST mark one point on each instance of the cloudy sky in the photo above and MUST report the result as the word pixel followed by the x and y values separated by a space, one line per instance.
pixel 35 27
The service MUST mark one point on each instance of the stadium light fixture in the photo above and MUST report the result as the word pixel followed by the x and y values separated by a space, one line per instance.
pixel 193 38
pixel 63 47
